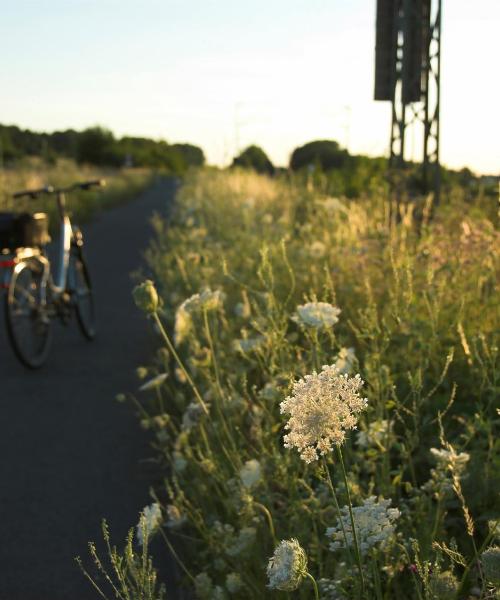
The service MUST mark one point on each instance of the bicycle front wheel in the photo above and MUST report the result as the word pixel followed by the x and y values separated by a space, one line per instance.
pixel 28 323
pixel 80 288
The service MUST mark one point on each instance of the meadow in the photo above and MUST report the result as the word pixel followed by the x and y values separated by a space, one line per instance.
pixel 324 399
pixel 33 173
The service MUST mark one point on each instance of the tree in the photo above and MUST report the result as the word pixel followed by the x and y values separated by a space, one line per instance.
pixel 325 153
pixel 95 146
pixel 255 158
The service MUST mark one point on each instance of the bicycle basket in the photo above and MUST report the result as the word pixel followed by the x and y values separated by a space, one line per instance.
pixel 23 230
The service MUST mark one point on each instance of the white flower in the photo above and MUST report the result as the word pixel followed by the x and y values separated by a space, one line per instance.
pixel 447 462
pixel 149 521
pixel 317 250
pixel 156 382
pixel 322 407
pixel 251 473
pixel 379 433
pixel 249 344
pixel 319 315
pixel 204 300
pixel 345 360
pixel 192 415
pixel 234 584
pixel 374 522
pixel 241 543
pixel 287 567
pixel 183 324
pixel 175 517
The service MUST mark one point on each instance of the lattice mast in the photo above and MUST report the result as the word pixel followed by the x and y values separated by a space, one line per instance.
pixel 407 73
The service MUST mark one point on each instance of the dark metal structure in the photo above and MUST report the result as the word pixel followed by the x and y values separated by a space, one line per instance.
pixel 407 73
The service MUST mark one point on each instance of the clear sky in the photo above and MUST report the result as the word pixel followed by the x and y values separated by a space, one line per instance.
pixel 227 73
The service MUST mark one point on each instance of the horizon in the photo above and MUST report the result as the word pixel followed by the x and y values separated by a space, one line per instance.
pixel 224 77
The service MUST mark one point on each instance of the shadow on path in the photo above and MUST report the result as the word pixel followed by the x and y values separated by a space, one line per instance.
pixel 69 453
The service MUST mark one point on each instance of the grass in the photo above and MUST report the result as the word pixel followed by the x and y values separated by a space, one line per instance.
pixel 34 173
pixel 419 321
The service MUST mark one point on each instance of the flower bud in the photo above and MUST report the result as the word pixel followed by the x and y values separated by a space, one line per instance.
pixel 146 297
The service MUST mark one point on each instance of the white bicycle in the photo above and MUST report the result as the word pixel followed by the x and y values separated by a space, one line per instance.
pixel 33 295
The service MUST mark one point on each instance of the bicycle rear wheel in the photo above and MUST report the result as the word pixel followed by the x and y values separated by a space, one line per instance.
pixel 80 288
pixel 28 324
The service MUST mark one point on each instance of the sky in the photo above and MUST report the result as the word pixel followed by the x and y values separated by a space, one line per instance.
pixel 224 74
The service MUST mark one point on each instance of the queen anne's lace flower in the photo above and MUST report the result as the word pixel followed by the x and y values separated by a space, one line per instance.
pixel 287 567
pixel 374 522
pixel 345 360
pixel 447 462
pixel 204 300
pixel 250 473
pixel 322 407
pixel 378 434
pixel 149 521
pixel 319 315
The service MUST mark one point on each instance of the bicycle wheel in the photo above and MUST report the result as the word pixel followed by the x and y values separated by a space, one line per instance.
pixel 28 324
pixel 80 289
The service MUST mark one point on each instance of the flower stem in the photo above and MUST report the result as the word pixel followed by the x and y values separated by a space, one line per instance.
pixel 179 362
pixel 315 585
pixel 337 507
pixel 351 515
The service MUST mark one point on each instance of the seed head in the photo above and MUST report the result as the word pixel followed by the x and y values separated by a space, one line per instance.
pixel 287 567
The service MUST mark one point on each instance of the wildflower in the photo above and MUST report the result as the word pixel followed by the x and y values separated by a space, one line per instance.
pixel 490 560
pixel 146 297
pixel 374 522
pixel 443 586
pixel 242 309
pixel 322 407
pixel 245 539
pixel 251 473
pixel 376 435
pixel 287 567
pixel 330 589
pixel 447 462
pixel 120 397
pixel 149 521
pixel 234 583
pixel 345 360
pixel 246 345
pixel 203 586
pixel 154 383
pixel 183 324
pixel 192 415
pixel 175 517
pixel 318 315
pixel 317 250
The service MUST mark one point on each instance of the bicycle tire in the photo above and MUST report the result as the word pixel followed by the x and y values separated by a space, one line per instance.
pixel 28 324
pixel 80 288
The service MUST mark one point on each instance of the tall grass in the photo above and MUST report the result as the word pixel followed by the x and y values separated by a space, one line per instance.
pixel 419 321
pixel 34 173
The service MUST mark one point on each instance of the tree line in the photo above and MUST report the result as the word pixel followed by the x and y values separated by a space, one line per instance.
pixel 97 146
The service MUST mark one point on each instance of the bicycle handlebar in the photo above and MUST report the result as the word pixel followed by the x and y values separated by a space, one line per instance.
pixel 48 189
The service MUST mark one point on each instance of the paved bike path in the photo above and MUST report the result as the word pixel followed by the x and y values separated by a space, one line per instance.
pixel 69 453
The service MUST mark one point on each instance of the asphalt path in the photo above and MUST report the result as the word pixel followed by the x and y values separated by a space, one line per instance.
pixel 69 453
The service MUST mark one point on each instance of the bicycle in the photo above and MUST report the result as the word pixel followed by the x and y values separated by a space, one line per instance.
pixel 34 296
